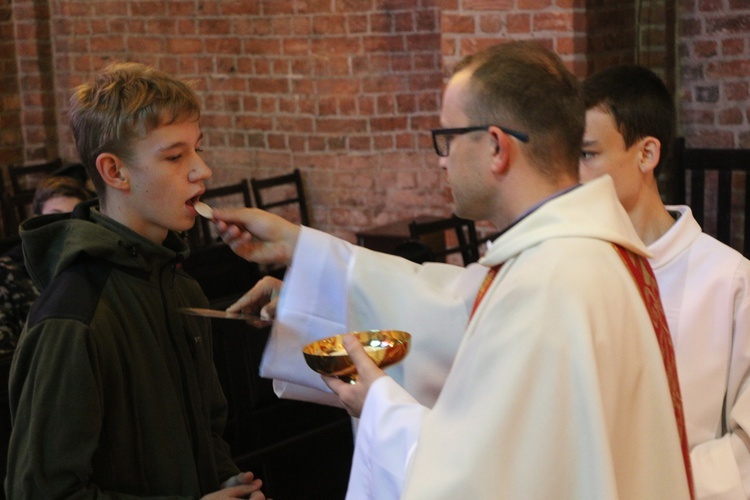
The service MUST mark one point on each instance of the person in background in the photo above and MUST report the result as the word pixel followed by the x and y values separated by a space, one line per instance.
pixel 555 384
pixel 113 392
pixel 704 284
pixel 17 290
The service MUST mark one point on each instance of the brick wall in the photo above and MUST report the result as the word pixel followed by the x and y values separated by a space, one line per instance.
pixel 11 140
pixel 470 25
pixel 345 90
pixel 715 73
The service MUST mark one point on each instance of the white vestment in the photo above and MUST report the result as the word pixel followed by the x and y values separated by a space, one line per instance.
pixel 557 390
pixel 705 290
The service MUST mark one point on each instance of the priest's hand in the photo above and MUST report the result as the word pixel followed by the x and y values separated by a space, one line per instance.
pixel 261 299
pixel 243 485
pixel 257 235
pixel 353 396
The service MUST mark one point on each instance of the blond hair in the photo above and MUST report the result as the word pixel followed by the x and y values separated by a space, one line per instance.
pixel 124 103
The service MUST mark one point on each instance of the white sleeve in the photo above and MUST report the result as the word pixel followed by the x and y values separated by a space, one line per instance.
pixel 333 287
pixel 721 467
pixel 312 306
pixel 386 438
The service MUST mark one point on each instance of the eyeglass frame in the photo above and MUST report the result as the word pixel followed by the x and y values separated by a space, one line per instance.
pixel 521 136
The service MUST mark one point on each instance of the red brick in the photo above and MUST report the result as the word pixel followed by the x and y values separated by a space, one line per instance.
pixel 491 23
pixel 301 26
pixel 277 7
pixel 262 46
pixel 353 5
pixel 728 69
pixel 347 105
pixel 329 25
pixel 104 8
pixel 404 22
pixel 406 104
pixel 385 105
pixel 360 143
pixel 277 141
pixel 281 26
pixel 335 45
pixel 382 142
pixel 356 24
pixel 732 116
pixel 145 44
pixel 106 44
pixel 497 5
pixel 733 46
pixel 420 41
pixel 387 124
pixel 548 21
pixel 427 20
pixel 214 27
pixel 381 22
pixel 705 48
pixel 457 23
pixel 313 7
pixel 383 43
pixel 518 23
pixel 147 9
pixel 240 7
pixel 179 9
pixel 737 91
pixel 340 125
pixel 168 27
pixel 337 87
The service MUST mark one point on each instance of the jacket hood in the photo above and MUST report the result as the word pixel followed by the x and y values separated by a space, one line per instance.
pixel 594 203
pixel 53 242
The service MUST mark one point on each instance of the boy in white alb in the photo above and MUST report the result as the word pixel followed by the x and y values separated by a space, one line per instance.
pixel 704 284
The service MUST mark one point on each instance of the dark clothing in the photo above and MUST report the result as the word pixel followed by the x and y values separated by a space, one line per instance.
pixel 113 391
pixel 17 294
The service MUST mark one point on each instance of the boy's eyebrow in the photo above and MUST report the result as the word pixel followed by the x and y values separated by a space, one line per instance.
pixel 588 143
pixel 179 144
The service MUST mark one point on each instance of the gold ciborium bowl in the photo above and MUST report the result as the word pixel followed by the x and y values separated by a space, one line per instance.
pixel 328 356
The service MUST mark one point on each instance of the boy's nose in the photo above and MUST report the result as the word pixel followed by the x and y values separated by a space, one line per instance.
pixel 200 171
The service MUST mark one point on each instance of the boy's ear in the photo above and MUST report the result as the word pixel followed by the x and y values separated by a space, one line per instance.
pixel 650 154
pixel 111 170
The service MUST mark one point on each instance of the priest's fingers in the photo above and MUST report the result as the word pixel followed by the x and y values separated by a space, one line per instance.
pixel 261 298
pixel 273 237
pixel 249 490
pixel 353 395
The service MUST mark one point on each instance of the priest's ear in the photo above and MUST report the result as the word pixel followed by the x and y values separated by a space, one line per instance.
pixel 112 171
pixel 650 154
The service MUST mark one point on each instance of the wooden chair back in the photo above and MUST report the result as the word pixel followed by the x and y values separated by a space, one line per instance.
pixel 281 191
pixel 464 231
pixel 715 183
pixel 24 178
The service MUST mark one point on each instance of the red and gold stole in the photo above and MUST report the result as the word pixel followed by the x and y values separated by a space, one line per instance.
pixel 645 280
pixel 484 286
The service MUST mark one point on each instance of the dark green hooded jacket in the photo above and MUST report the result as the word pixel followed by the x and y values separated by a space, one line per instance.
pixel 113 391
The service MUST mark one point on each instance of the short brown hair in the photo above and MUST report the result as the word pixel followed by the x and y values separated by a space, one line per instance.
pixel 124 103
pixel 526 87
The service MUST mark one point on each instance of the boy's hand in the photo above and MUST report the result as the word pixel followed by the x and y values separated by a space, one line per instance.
pixel 260 299
pixel 353 396
pixel 256 235
pixel 243 485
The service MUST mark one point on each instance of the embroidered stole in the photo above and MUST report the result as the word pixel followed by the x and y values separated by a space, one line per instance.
pixel 645 280
pixel 484 286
